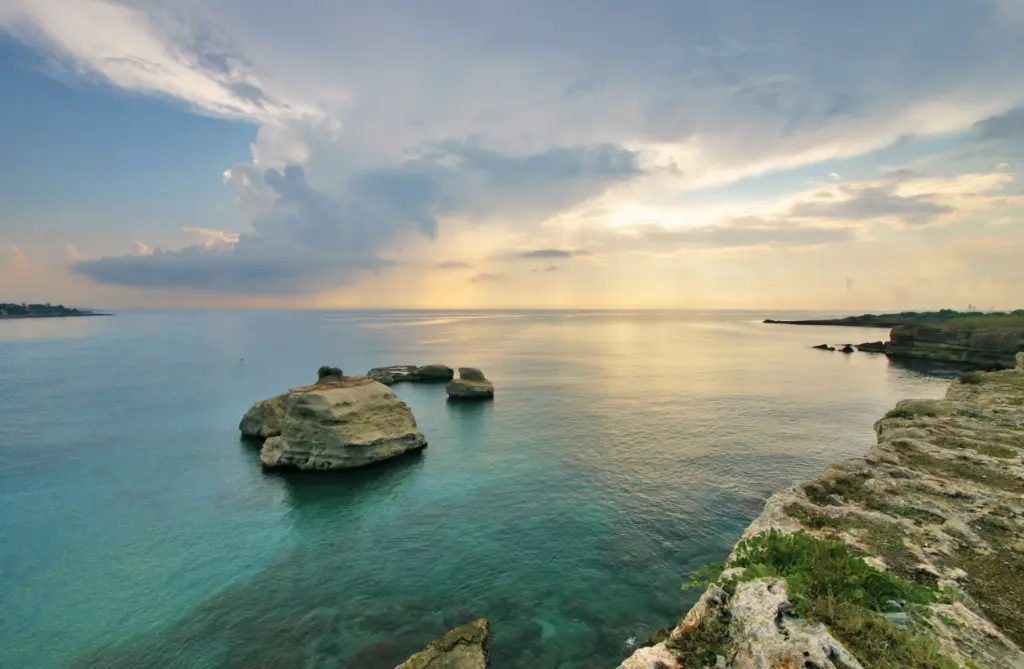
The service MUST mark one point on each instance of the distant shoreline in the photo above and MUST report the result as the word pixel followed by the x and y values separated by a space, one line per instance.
pixel 12 317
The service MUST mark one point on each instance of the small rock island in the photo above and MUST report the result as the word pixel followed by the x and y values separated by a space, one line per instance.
pixel 340 422
pixel 471 385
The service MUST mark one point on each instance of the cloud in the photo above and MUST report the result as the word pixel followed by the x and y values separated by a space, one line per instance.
pixel 210 238
pixel 454 264
pixel 71 252
pixel 142 249
pixel 834 175
pixel 738 233
pixel 18 258
pixel 869 203
pixel 487 278
pixel 546 253
pixel 306 238
pixel 1001 127
pixel 150 52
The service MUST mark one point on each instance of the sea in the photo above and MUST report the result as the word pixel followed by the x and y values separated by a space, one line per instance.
pixel 622 451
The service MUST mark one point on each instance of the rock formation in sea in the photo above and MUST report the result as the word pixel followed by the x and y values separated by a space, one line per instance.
pixel 391 375
pixel 337 423
pixel 471 385
pixel 464 647
pixel 907 557
pixel 435 373
pixel 847 348
pixel 263 419
pixel 432 374
pixel 824 347
pixel 873 347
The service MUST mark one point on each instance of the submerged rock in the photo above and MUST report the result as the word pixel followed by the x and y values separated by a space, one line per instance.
pixel 337 423
pixel 263 419
pixel 464 647
pixel 432 374
pixel 471 385
pixel 392 374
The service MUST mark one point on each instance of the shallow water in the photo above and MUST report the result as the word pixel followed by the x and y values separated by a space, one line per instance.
pixel 623 450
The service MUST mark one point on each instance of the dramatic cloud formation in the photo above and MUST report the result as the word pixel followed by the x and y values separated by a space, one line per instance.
pixel 389 132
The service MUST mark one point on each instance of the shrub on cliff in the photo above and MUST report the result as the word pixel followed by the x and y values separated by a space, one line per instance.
pixel 972 378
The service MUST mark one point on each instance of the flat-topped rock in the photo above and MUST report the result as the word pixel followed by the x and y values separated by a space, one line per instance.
pixel 392 374
pixel 432 374
pixel 471 385
pixel 337 423
pixel 464 647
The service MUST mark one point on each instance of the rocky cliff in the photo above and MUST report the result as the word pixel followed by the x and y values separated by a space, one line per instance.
pixel 908 557
pixel 989 348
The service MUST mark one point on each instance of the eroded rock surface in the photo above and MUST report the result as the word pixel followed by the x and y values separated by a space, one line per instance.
pixel 939 501
pixel 336 423
pixel 464 647
pixel 263 419
pixel 471 385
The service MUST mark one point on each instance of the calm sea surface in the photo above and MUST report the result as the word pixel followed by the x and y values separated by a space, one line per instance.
pixel 623 450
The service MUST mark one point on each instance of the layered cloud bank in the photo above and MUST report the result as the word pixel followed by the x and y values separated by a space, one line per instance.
pixel 473 144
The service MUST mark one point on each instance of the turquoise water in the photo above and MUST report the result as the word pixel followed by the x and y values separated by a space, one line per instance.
pixel 623 450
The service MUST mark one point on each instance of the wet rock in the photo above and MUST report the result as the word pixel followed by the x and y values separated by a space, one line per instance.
pixel 824 347
pixel 848 348
pixel 391 375
pixel 464 647
pixel 432 374
pixel 873 347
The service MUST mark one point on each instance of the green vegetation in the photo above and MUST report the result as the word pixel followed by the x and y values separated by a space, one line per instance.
pixel 943 318
pixel 850 488
pixel 828 583
pixel 11 310
pixel 326 371
pixel 960 467
pixel 911 411
pixel 995 582
pixel 972 378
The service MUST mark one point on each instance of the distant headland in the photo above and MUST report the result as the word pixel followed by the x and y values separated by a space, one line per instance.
pixel 941 318
pixel 9 310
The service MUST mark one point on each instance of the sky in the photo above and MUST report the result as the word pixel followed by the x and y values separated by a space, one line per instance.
pixel 793 154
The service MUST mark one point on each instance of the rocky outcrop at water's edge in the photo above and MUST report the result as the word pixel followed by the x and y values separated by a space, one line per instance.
pixel 464 647
pixel 907 557
pixel 986 348
pixel 337 423
pixel 471 385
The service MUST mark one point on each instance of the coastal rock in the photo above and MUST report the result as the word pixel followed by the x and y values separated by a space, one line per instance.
pixel 338 423
pixel 824 347
pixel 390 375
pixel 984 348
pixel 939 502
pixel 872 347
pixel 464 647
pixel 432 374
pixel 263 419
pixel 847 349
pixel 471 385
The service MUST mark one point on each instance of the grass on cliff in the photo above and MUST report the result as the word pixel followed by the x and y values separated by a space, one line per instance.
pixel 828 583
pixel 995 582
